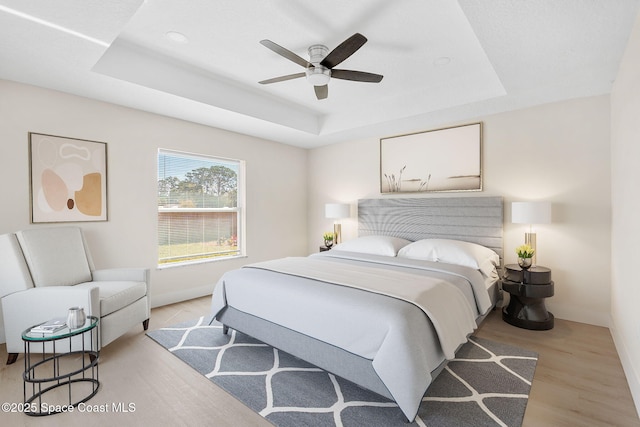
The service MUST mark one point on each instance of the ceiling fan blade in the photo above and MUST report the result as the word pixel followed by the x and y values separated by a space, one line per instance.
pixel 286 53
pixel 322 91
pixel 282 78
pixel 358 76
pixel 344 50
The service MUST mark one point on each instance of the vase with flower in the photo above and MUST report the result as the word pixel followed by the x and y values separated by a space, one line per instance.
pixel 328 239
pixel 525 256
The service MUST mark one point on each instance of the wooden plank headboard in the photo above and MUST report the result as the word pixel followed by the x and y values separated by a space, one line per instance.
pixel 471 219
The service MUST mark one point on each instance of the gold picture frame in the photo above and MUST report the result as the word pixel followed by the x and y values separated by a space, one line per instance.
pixel 67 179
pixel 446 159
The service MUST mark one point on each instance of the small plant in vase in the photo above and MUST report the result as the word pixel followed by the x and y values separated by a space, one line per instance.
pixel 525 254
pixel 328 239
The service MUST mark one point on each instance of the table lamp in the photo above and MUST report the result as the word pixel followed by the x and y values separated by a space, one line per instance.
pixel 337 211
pixel 531 213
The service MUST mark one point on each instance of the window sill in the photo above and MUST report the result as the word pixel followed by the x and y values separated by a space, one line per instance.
pixel 196 262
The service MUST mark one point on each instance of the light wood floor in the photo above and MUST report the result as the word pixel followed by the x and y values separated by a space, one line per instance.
pixel 578 382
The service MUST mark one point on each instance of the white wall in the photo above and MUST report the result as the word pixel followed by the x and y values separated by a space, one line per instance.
pixel 276 183
pixel 558 152
pixel 625 200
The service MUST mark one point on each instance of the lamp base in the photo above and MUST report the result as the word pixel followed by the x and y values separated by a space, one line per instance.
pixel 530 239
pixel 337 233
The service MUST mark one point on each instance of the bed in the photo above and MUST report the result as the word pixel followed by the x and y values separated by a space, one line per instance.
pixel 384 310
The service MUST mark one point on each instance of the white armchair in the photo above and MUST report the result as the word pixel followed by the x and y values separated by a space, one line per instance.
pixel 45 271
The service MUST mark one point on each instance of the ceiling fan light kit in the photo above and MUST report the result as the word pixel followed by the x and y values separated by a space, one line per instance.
pixel 318 76
pixel 319 68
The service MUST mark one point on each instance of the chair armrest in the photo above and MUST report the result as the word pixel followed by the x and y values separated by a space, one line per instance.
pixel 120 274
pixel 24 309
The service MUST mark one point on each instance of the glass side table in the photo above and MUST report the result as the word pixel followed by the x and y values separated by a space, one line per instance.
pixel 50 364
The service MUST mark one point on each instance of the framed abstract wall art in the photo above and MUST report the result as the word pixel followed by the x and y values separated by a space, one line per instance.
pixel 68 179
pixel 448 159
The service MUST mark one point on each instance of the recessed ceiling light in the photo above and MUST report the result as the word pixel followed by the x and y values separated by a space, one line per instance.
pixel 177 37
pixel 443 60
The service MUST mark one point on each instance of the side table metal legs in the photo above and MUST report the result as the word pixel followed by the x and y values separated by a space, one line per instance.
pixel 55 381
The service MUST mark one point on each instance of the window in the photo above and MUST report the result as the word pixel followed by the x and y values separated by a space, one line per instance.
pixel 200 208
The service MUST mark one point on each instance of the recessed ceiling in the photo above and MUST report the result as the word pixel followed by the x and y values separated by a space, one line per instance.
pixel 201 60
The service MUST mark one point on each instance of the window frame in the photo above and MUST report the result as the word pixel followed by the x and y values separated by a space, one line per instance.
pixel 239 209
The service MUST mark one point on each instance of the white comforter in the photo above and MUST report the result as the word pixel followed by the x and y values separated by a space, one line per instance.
pixel 294 293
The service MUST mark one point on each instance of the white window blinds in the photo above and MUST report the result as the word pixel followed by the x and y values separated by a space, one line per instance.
pixel 199 207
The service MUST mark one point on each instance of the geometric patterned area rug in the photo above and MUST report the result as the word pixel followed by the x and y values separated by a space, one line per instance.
pixel 487 384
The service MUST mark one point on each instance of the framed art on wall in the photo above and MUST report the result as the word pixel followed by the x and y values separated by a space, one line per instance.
pixel 68 179
pixel 448 159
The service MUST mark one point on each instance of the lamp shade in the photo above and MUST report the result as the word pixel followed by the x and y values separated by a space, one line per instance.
pixel 336 210
pixel 531 212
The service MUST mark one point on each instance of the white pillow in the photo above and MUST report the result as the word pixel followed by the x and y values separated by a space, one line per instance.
pixel 452 252
pixel 374 245
pixel 422 249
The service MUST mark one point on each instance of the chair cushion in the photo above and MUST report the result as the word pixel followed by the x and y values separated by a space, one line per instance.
pixel 56 256
pixel 116 295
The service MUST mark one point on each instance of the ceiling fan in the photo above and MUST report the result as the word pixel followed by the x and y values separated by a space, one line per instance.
pixel 319 68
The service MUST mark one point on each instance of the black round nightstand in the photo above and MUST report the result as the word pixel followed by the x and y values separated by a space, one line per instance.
pixel 527 290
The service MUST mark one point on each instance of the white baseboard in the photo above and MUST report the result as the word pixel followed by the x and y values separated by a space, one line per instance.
pixel 633 379
pixel 578 314
pixel 181 295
